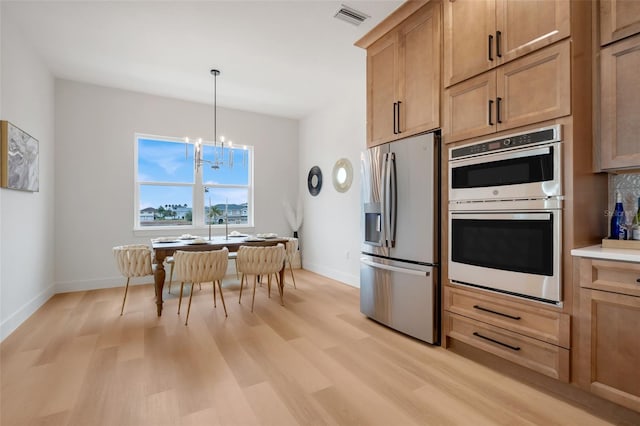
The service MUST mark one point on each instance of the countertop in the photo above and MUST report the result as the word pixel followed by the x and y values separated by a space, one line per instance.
pixel 598 252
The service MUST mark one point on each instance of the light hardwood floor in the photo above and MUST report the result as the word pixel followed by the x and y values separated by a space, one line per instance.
pixel 315 361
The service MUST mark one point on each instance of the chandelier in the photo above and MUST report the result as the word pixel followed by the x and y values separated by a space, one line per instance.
pixel 218 143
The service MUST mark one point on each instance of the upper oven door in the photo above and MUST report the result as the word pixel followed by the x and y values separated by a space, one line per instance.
pixel 533 172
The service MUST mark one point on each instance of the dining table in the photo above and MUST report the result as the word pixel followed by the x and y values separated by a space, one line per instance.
pixel 164 247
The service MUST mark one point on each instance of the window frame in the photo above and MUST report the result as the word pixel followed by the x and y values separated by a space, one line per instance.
pixel 198 186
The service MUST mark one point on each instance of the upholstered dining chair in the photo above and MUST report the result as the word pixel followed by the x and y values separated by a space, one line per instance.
pixel 169 261
pixel 133 260
pixel 233 255
pixel 259 261
pixel 291 248
pixel 201 267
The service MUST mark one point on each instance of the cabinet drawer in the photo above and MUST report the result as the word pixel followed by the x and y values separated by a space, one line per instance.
pixel 608 275
pixel 546 325
pixel 547 359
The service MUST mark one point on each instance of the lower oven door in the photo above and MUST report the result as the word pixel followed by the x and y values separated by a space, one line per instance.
pixel 515 252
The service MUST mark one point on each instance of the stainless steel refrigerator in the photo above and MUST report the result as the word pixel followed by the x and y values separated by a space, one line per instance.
pixel 399 274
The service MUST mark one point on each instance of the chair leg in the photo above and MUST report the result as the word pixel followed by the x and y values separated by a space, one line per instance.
pixel 221 296
pixel 253 299
pixel 126 288
pixel 189 307
pixel 214 293
pixel 235 262
pixel 293 278
pixel 281 291
pixel 180 301
pixel 269 285
pixel 171 276
pixel 241 285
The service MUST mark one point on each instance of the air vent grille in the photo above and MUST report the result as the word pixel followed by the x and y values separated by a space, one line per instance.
pixel 350 15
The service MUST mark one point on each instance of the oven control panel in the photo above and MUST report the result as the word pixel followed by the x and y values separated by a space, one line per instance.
pixel 548 134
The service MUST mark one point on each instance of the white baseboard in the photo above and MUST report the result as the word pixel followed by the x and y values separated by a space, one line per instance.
pixel 9 325
pixel 98 283
pixel 117 281
pixel 352 280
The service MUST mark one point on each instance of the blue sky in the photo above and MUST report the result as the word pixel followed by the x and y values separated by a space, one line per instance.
pixel 172 162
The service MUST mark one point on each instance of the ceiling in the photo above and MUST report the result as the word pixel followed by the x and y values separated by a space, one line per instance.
pixel 283 58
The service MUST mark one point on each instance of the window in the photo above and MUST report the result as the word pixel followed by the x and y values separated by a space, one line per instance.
pixel 171 191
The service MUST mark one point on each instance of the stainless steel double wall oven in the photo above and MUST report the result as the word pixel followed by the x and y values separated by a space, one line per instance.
pixel 505 214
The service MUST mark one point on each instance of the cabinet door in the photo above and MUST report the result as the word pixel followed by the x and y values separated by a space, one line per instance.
pixel 620 105
pixel 525 26
pixel 469 27
pixel 618 19
pixel 610 345
pixel 381 89
pixel 419 70
pixel 534 88
pixel 469 108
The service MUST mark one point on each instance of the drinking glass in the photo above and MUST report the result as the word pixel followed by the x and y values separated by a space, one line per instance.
pixel 628 223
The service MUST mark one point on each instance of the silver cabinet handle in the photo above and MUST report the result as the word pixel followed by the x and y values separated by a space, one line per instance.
pixel 394 268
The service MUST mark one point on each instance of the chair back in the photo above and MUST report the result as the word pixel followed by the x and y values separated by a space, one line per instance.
pixel 134 260
pixel 201 266
pixel 291 247
pixel 260 260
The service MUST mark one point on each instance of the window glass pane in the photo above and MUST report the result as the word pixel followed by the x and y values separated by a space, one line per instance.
pixel 231 203
pixel 164 161
pixel 165 205
pixel 227 167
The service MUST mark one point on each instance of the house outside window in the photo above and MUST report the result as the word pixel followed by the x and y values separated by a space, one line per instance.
pixel 173 190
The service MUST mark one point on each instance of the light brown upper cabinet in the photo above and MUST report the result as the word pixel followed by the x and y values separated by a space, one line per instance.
pixel 480 35
pixel 620 105
pixel 531 89
pixel 403 78
pixel 618 19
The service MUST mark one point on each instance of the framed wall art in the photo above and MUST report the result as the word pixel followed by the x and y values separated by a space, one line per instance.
pixel 19 152
pixel 314 180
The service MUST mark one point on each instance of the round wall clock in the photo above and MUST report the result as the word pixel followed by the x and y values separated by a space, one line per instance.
pixel 314 180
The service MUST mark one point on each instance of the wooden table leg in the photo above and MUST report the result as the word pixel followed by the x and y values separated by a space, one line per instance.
pixel 158 277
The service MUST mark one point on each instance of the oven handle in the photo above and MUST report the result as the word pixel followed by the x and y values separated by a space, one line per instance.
pixel 498 156
pixel 501 216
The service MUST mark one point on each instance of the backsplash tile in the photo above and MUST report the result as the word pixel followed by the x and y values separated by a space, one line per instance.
pixel 629 186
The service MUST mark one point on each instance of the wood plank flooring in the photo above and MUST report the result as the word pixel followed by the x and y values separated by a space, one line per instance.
pixel 315 361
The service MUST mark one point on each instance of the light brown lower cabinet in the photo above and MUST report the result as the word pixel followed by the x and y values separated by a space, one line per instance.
pixel 545 358
pixel 523 332
pixel 609 344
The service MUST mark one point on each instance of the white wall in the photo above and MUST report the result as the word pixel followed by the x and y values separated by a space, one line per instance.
pixel 26 219
pixel 330 234
pixel 95 129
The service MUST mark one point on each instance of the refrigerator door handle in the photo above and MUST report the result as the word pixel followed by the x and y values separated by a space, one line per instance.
pixel 386 209
pixel 383 201
pixel 394 268
pixel 393 198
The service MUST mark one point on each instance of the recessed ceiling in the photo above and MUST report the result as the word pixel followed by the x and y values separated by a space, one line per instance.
pixel 284 58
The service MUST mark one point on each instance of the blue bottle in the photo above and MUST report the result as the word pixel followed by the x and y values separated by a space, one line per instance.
pixel 618 231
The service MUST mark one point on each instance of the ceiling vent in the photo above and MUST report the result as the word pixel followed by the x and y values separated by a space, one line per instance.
pixel 350 15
